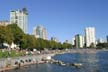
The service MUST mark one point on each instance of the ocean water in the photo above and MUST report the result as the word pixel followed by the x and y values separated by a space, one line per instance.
pixel 90 63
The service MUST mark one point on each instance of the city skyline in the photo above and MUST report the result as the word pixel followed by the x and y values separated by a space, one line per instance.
pixel 62 19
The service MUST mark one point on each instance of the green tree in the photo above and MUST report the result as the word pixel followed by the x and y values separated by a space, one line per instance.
pixel 6 35
pixel 28 41
pixel 92 45
pixel 40 44
pixel 102 45
pixel 17 33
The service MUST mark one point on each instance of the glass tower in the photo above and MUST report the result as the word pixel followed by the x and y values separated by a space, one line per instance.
pixel 40 32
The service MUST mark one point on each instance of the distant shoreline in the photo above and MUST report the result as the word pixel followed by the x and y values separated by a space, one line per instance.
pixel 85 50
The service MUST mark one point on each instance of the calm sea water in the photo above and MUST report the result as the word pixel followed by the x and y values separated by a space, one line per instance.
pixel 91 63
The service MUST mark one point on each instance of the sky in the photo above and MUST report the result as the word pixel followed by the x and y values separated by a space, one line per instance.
pixel 62 18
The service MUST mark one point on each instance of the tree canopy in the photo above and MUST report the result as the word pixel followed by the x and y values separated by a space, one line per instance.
pixel 6 36
pixel 12 33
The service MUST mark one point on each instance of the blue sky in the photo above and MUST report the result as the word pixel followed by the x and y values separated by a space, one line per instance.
pixel 62 18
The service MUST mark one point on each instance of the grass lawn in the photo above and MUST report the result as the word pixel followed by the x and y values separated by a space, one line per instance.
pixel 13 53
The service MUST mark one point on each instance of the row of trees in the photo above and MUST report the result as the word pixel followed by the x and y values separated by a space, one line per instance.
pixel 12 33
pixel 102 45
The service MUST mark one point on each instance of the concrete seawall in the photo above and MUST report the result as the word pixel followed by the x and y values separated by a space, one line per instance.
pixel 9 63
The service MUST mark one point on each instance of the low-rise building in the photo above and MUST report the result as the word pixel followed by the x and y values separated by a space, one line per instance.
pixel 4 23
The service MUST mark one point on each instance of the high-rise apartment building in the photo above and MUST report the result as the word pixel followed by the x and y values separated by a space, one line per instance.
pixel 66 41
pixel 40 32
pixel 79 41
pixel 90 36
pixel 19 17
pixel 73 41
pixel 107 38
pixel 54 39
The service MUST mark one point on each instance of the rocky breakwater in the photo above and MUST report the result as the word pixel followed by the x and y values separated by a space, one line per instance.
pixel 11 63
pixel 48 59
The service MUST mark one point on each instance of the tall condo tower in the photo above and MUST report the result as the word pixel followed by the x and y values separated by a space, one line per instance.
pixel 107 38
pixel 79 41
pixel 90 36
pixel 40 32
pixel 19 17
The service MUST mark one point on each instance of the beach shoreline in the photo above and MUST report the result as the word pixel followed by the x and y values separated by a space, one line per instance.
pixel 9 63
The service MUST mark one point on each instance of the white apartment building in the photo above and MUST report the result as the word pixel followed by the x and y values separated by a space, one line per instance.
pixel 54 39
pixel 40 32
pixel 79 41
pixel 90 36
pixel 19 17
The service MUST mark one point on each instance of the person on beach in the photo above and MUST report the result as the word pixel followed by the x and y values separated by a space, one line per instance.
pixel 19 65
